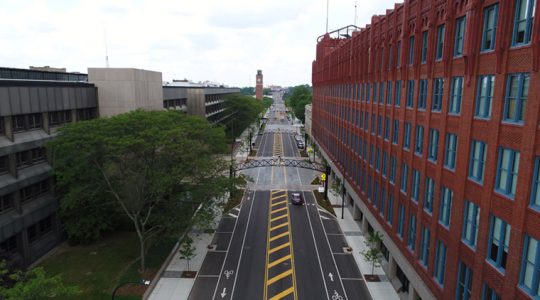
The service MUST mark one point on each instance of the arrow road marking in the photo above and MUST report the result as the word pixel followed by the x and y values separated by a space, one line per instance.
pixel 224 293
pixel 331 276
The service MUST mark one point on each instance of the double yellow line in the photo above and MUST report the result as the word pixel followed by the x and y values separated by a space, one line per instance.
pixel 279 248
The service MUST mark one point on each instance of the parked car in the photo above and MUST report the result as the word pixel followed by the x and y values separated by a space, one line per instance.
pixel 297 199
pixel 300 145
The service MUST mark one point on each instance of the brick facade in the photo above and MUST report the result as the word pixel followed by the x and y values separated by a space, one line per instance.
pixel 347 78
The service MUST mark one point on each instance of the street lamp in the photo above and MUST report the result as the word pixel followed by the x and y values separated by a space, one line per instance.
pixel 142 281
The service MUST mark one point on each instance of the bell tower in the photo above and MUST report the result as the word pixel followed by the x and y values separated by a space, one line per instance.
pixel 259 86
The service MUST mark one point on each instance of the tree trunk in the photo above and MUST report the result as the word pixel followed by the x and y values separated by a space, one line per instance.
pixel 143 262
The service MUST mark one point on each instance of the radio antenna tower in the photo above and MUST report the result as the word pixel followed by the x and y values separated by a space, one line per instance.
pixel 355 5
pixel 106 48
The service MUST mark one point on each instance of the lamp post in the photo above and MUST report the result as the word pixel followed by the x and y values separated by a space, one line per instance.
pixel 142 281
pixel 342 199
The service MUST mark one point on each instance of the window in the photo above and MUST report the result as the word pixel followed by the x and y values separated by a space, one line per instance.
pixel 489 31
pixel 398 54
pixel 90 113
pixel 470 223
pixel 424 46
pixel 460 37
pixel 373 124
pixel 371 155
pixel 378 159
pixel 415 185
pixel 18 123
pixel 440 43
pixel 401 220
pixel 485 96
pixel 445 210
pixel 395 132
pixel 390 50
pixel 9 245
pixel 397 99
pixel 477 161
pixel 433 144
pixel 419 139
pixel 389 93
pixel 393 163
pixel 424 246
pixel 438 84
pixel 3 164
pixel 6 202
pixel 523 22
pixel 30 157
pixel 390 209
pixel 535 192
pixel 381 92
pixel 404 174
pixel 411 240
pixel 407 136
pixel 530 276
pixel 450 151
pixel 411 50
pixel 422 93
pixel 517 91
pixel 440 262
pixel 379 126
pixel 375 193
pixel 366 121
pixel 499 239
pixel 464 282
pixel 367 92
pixel 507 172
pixel 429 194
pixel 383 201
pixel 375 92
pixel 34 191
pixel 386 128
pixel 456 94
pixel 384 163
pixel 26 122
pixel 59 117
pixel 410 93
pixel 489 294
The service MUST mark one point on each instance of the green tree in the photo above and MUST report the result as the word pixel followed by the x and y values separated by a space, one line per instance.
pixel 153 168
pixel 187 250
pixel 32 284
pixel 247 91
pixel 297 98
pixel 244 110
pixel 373 253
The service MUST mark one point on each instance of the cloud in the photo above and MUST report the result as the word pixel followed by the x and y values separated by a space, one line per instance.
pixel 225 41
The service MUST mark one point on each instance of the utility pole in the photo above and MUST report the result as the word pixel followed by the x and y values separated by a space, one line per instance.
pixel 327 6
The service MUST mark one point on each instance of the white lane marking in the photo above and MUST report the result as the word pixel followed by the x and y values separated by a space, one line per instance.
pixel 227 252
pixel 211 276
pixel 231 215
pixel 242 248
pixel 333 259
pixel 352 279
pixel 236 208
pixel 258 175
pixel 316 249
pixel 325 218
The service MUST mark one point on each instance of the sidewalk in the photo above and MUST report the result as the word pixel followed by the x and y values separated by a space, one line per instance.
pixel 355 239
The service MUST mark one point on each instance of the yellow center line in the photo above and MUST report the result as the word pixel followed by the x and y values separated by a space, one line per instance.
pixel 280 276
pixel 278 236
pixel 278 261
pixel 283 294
pixel 278 226
pixel 278 218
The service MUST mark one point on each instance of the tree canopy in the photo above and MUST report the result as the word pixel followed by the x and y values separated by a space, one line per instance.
pixel 153 168
pixel 297 98
pixel 245 111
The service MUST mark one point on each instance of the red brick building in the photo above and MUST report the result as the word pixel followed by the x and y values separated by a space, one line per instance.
pixel 431 115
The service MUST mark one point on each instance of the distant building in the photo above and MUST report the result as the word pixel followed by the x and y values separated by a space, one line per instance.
pixel 48 69
pixel 121 90
pixel 200 101
pixel 33 104
pixel 259 91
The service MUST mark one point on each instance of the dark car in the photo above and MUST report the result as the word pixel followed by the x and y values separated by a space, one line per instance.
pixel 297 199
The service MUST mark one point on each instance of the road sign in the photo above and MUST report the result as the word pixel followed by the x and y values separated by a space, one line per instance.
pixel 323 177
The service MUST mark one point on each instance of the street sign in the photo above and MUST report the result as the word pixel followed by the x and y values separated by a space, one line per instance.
pixel 323 177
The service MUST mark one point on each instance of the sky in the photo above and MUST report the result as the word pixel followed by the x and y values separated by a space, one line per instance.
pixel 225 41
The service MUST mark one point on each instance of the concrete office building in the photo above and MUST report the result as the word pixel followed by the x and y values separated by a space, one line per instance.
pixel 33 104
pixel 200 101
pixel 431 115
pixel 121 90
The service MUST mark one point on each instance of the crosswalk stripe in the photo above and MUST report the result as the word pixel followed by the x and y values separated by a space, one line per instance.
pixel 278 210
pixel 279 236
pixel 278 226
pixel 278 218
pixel 278 203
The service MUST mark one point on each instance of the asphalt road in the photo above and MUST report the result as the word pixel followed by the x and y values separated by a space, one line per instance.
pixel 267 248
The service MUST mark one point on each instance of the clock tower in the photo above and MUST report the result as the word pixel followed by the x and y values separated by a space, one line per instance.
pixel 259 86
